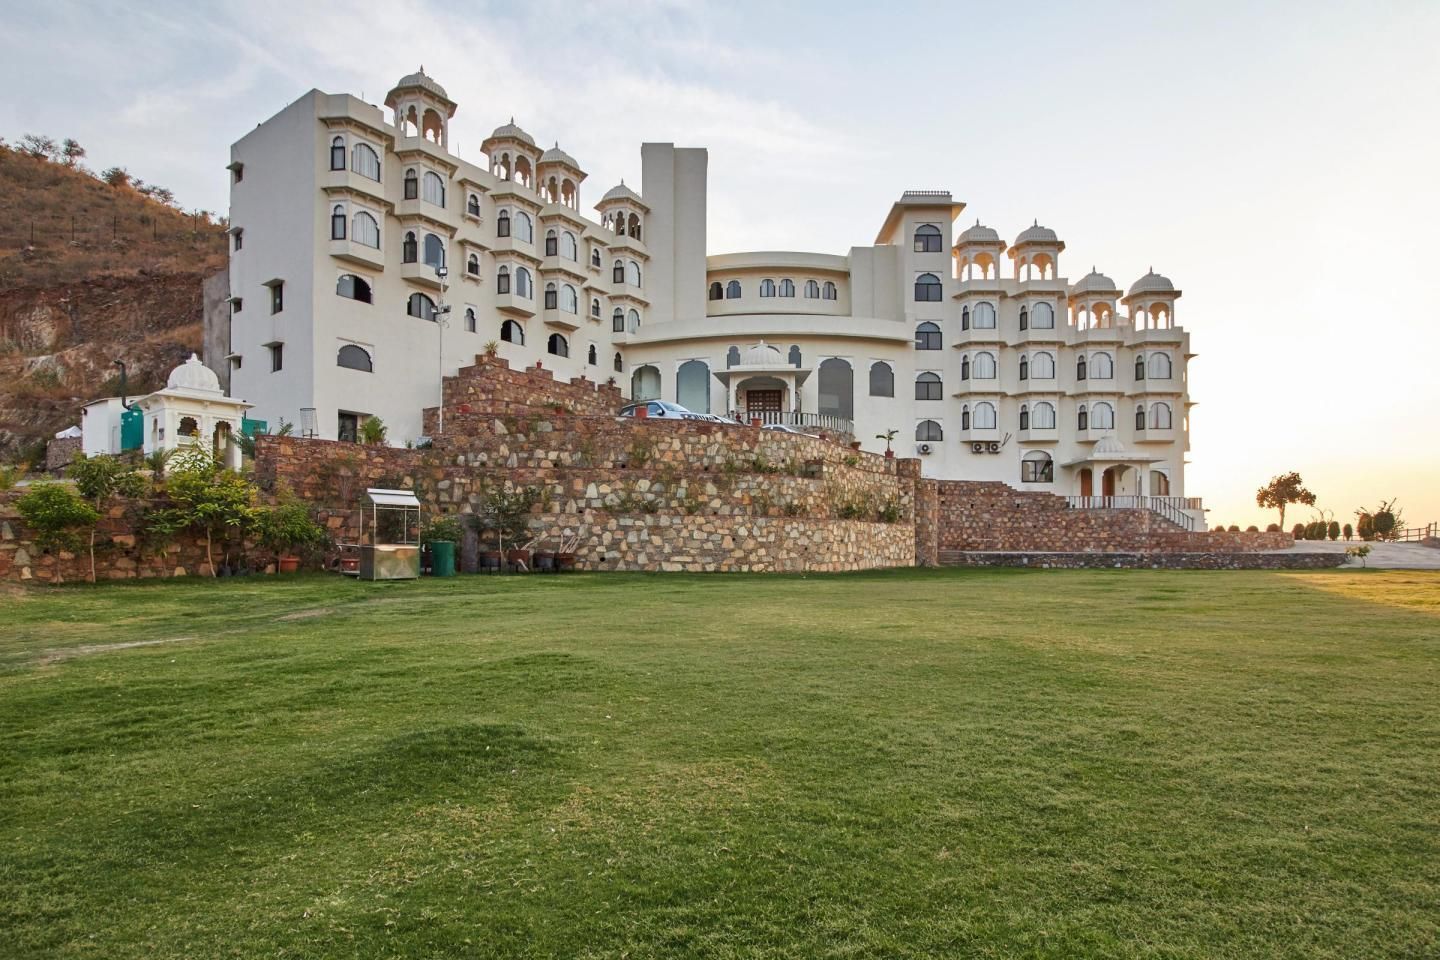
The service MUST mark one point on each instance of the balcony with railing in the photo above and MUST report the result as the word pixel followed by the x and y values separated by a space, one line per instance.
pixel 816 423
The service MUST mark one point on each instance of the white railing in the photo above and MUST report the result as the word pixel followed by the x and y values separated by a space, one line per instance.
pixel 1167 508
pixel 809 422
pixel 1417 534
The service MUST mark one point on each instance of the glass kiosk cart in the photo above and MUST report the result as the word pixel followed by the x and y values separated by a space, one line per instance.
pixel 390 535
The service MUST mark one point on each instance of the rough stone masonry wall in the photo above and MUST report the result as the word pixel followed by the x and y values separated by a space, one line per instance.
pixel 990 516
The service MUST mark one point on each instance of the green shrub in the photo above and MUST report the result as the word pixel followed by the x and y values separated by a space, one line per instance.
pixel 373 431
pixel 1252 529
pixel 1334 530
pixel 445 527
pixel 1349 532
pixel 1273 528
pixel 56 513
pixel 1299 532
pixel 1234 528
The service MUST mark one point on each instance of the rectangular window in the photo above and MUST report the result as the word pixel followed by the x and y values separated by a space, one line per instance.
pixel 277 296
pixel 1037 471
pixel 348 428
pixel 550 298
pixel 236 362
pixel 277 357
pixel 237 172
pixel 236 304
pixel 239 239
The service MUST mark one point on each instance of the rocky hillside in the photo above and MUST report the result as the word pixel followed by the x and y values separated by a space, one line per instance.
pixel 90 271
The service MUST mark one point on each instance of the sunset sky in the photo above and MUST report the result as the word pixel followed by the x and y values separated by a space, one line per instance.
pixel 1277 161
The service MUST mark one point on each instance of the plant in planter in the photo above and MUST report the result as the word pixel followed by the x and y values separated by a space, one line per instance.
pixel 492 347
pixel 101 479
pixel 286 530
pixel 889 437
pixel 441 535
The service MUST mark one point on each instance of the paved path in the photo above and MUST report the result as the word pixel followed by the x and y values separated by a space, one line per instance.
pixel 1387 556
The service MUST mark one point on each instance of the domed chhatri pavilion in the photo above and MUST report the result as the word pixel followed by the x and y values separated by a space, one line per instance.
pixel 343 214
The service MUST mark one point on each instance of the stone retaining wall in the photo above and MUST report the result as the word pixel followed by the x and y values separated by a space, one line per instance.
pixel 1290 560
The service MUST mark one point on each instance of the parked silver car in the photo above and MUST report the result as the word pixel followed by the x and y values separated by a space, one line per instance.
pixel 661 410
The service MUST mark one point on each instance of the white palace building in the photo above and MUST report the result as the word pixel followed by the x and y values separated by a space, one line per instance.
pixel 985 359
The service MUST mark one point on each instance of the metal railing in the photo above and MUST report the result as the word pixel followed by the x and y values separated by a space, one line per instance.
pixel 1418 534
pixel 1167 508
pixel 809 422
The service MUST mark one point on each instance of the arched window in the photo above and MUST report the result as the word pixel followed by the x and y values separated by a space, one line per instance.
pixel 524 227
pixel 1042 366
pixel 928 386
pixel 337 223
pixel 645 383
pixel 512 332
pixel 569 299
pixel 523 286
pixel 927 336
pixel 928 431
pixel 1042 416
pixel 352 287
pixel 472 265
pixel 965 417
pixel 595 258
pixel 617 320
pixel 365 161
pixel 767 288
pixel 557 346
pixel 337 153
pixel 882 379
pixel 927 288
pixel 552 296
pixel 409 249
pixel 1082 418
pixel 1102 417
pixel 632 273
pixel 189 427
pixel 1159 484
pixel 617 272
pixel 692 386
pixel 412 185
pixel 502 279
pixel 717 291
pixel 595 308
pixel 787 288
pixel 1139 416
pixel 1024 368
pixel 1037 466
pixel 964 368
pixel 552 243
pixel 830 291
pixel 984 368
pixel 794 356
pixel 420 306
pixel 1024 318
pixel 365 230
pixel 569 249
pixel 732 290
pixel 984 418
pixel 1080 369
pixel 1102 367
pixel 1160 416
pixel 1024 417
pixel 928 238
pixel 984 316
pixel 502 224
pixel 1043 317
pixel 732 357
pixel 591 357
pixel 632 321
pixel 472 205
pixel 965 318
pixel 470 324
pixel 837 388
pixel 354 358
pixel 1140 367
pixel 434 251
pixel 1159 366
pixel 812 290
pixel 434 189
pixel 619 363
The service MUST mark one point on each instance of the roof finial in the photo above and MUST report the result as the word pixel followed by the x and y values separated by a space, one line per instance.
pixel 1037 222
pixel 422 69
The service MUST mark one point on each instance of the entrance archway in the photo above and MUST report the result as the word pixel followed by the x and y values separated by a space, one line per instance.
pixel 1108 481
pixel 1087 482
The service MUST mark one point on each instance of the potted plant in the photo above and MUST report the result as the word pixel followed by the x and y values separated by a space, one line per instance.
pixel 889 437
pixel 441 535
pixel 508 514
pixel 492 347
pixel 286 529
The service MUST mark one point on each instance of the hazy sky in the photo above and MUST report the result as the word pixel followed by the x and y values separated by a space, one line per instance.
pixel 1277 160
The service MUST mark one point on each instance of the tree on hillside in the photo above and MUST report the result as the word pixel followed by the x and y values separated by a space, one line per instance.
pixel 71 151
pixel 116 177
pixel 1285 489
pixel 39 146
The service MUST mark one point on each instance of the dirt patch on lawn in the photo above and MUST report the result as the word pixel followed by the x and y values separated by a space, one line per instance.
pixel 69 653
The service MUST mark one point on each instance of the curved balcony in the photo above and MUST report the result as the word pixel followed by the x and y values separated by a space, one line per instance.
pixel 977 336
pixel 358 253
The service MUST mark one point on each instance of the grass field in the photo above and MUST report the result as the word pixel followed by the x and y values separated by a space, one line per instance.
pixel 979 763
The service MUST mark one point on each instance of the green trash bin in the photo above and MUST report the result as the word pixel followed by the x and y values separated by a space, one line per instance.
pixel 442 558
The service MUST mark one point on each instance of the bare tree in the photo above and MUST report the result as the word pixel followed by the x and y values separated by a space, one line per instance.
pixel 71 151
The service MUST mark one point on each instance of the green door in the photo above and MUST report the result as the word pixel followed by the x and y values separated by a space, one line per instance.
pixel 132 430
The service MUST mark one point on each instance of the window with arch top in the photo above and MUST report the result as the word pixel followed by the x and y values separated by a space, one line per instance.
pixel 984 366
pixel 619 363
pixel 337 153
pixel 502 279
pixel 1139 416
pixel 837 388
pixel 882 379
pixel 1160 416
pixel 632 320
pixel 794 356
pixel 1037 466
pixel 592 357
pixel 830 292
pixel 692 386
pixel 552 296
pixel 569 299
pixel 984 316
pixel 365 230
pixel 472 265
pixel 717 292
pixel 617 321
pixel 927 336
pixel 595 308
pixel 1042 366
pixel 617 272
pixel 1159 367
pixel 1042 317
pixel 472 205
pixel 524 227
pixel 1042 416
pixel 1024 416
pixel 502 223
pixel 420 306
pixel 1024 368
pixel 928 238
pixel 732 357
pixel 787 288
pixel 1102 366
pixel 557 346
pixel 927 288
pixel 569 248
pixel 409 248
pixel 552 243
pixel 354 358
pixel 767 288
pixel 470 322
pixel 928 386
pixel 434 250
pixel 365 161
pixel 984 416
pixel 523 286
pixel 1102 417
pixel 412 185
pixel 928 431
pixel 812 290
pixel 337 223
pixel 595 258
pixel 732 290
pixel 352 287
pixel 632 273
pixel 512 332
pixel 433 190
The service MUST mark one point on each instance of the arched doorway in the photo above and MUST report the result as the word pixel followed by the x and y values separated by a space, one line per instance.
pixel 1087 482
pixel 1108 481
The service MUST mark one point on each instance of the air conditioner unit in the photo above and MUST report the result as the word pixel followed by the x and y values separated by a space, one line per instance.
pixel 977 447
pixel 922 448
pixel 994 447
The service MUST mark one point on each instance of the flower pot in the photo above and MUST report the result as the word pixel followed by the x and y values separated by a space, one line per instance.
pixel 289 564
pixel 544 563
pixel 889 454
pixel 565 562
pixel 854 444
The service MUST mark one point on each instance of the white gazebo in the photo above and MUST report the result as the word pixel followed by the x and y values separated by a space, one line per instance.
pixel 192 410
pixel 763 384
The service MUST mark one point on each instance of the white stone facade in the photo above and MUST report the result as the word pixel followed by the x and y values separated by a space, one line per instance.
pixel 982 357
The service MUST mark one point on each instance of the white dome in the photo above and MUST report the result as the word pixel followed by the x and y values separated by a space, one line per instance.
pixel 420 80
pixel 1152 282
pixel 556 155
pixel 194 377
pixel 1095 282
pixel 1107 444
pixel 511 132
pixel 762 354
pixel 620 192
pixel 1036 234
pixel 979 234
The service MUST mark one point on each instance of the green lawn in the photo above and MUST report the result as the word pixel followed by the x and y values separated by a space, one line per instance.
pixel 979 763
